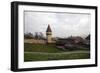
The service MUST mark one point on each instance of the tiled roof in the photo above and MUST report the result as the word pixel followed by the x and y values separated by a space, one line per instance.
pixel 48 29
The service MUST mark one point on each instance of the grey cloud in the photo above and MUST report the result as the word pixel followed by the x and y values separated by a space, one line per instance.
pixel 62 24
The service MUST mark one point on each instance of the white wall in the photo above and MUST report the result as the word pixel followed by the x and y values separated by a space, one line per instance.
pixel 5 17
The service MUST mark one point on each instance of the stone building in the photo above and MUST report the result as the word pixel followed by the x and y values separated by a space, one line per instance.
pixel 49 34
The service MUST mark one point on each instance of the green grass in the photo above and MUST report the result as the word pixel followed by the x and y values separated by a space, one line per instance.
pixel 59 56
pixel 44 52
pixel 50 48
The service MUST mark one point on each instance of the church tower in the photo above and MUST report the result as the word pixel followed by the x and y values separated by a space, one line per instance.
pixel 49 34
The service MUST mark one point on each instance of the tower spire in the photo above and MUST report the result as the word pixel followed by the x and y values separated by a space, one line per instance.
pixel 49 34
pixel 48 29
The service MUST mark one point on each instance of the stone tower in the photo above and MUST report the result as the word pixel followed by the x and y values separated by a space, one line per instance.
pixel 49 34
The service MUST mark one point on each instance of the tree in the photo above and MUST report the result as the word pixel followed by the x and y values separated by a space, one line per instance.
pixel 88 37
pixel 39 35
pixel 36 35
pixel 28 35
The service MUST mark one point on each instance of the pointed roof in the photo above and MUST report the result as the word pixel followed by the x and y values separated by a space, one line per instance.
pixel 48 29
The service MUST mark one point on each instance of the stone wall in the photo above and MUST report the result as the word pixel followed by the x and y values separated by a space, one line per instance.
pixel 35 41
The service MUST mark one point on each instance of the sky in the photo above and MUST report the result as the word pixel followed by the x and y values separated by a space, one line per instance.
pixel 62 24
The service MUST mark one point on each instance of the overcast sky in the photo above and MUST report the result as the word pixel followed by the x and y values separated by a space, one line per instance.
pixel 62 24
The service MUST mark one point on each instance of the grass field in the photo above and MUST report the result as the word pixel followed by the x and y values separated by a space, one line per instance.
pixel 42 52
pixel 51 48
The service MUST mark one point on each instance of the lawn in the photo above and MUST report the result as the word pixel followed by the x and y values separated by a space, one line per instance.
pixel 50 48
pixel 42 52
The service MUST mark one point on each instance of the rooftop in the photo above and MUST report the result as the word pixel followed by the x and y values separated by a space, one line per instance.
pixel 48 29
